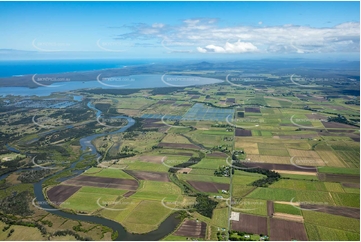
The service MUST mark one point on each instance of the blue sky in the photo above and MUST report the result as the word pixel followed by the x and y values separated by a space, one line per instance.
pixel 50 30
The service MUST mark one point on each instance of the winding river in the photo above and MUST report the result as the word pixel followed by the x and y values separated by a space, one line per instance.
pixel 165 228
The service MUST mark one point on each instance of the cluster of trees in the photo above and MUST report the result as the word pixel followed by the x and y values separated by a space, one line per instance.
pixel 9 222
pixel 16 204
pixel 33 176
pixel 191 161
pixel 205 205
pixel 340 119
pixel 222 171
pixel 271 176
pixel 72 233
pixel 12 165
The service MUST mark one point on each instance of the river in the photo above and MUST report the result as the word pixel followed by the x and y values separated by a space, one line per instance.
pixel 165 228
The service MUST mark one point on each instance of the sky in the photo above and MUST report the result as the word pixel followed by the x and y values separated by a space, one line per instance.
pixel 126 30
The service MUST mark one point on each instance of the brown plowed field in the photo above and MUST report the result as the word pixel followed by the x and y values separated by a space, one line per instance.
pixel 192 228
pixel 338 178
pixel 285 230
pixel 179 146
pixel 252 110
pixel 217 154
pixel 128 194
pixel 284 167
pixel 151 176
pixel 60 193
pixel 270 208
pixel 243 132
pixel 93 181
pixel 208 186
pixel 338 125
pixel 351 185
pixel 342 211
pixel 251 224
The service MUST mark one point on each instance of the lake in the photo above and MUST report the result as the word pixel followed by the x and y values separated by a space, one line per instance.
pixel 122 82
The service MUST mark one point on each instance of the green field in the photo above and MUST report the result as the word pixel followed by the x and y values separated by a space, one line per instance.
pixel 107 172
pixel 332 221
pixel 317 233
pixel 155 190
pixel 204 178
pixel 285 208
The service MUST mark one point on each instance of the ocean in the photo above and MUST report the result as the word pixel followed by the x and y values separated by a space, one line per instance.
pixel 22 67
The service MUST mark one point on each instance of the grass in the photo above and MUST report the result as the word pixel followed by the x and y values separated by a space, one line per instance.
pixel 204 178
pixel 155 190
pixel 332 221
pixel 244 180
pixel 147 166
pixel 21 233
pixel 333 187
pixel 346 199
pixel 299 185
pixel 106 172
pixel 174 238
pixel 337 170
pixel 317 233
pixel 285 208
pixel 220 217
pixel 250 206
pixel 87 202
pixel 146 217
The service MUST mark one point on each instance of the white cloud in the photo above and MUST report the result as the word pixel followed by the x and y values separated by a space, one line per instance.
pixel 237 47
pixel 260 22
pixel 205 35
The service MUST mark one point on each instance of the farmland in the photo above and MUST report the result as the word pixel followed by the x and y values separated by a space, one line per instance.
pixel 176 160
